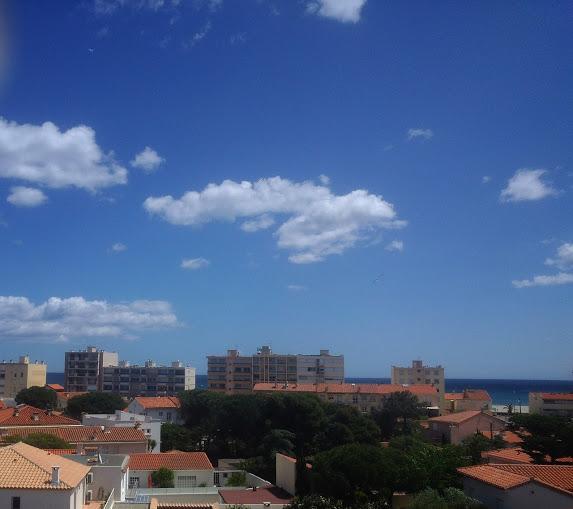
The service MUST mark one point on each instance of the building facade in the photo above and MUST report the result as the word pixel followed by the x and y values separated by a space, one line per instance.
pixel 417 373
pixel 15 376
pixel 158 408
pixel 455 428
pixel 83 370
pixel 148 380
pixel 235 373
pixel 551 403
pixel 469 399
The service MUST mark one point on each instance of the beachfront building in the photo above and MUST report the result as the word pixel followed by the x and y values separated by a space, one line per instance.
pixel 469 399
pixel 363 397
pixel 519 486
pixel 148 380
pixel 454 428
pixel 551 403
pixel 83 370
pixel 417 373
pixel 15 376
pixel 235 373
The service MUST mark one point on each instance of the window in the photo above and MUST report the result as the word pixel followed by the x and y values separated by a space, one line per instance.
pixel 186 481
pixel 133 482
pixel 90 478
pixel 15 502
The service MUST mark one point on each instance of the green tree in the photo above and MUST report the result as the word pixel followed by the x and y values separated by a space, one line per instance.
pixel 315 502
pixel 41 441
pixel 95 403
pixel 400 411
pixel 39 397
pixel 175 437
pixel 163 478
pixel 477 443
pixel 237 479
pixel 451 499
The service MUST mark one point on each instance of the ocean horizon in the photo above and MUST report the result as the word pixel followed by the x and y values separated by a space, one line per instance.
pixel 502 391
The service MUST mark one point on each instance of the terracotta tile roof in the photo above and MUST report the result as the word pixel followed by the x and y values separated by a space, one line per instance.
pixel 159 402
pixel 2 405
pixel 173 461
pixel 25 467
pixel 26 415
pixel 556 396
pixel 472 394
pixel 345 388
pixel 182 505
pixel 507 456
pixel 81 434
pixel 55 387
pixel 60 452
pixel 508 476
pixel 69 395
pixel 272 494
pixel 460 417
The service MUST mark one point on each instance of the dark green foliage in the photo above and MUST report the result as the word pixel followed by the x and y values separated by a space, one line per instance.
pixel 163 478
pixel 237 479
pixel 177 437
pixel 39 397
pixel 315 502
pixel 41 441
pixel 95 403
pixel 452 498
pixel 399 415
pixel 478 443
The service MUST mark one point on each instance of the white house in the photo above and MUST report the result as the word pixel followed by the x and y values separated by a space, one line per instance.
pixel 33 478
pixel 120 419
pixel 191 469
pixel 161 408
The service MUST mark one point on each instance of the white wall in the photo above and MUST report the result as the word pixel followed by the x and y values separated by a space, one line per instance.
pixel 285 468
pixel 202 476
pixel 44 499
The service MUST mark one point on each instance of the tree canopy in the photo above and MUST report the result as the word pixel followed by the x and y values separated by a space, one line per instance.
pixel 94 403
pixel 39 397
pixel 397 417
pixel 163 478
pixel 41 441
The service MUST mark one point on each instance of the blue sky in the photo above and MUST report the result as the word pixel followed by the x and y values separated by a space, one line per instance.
pixel 390 180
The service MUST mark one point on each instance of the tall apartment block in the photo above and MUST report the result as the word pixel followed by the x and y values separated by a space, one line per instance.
pixel 235 373
pixel 15 376
pixel 83 370
pixel 420 374
pixel 148 380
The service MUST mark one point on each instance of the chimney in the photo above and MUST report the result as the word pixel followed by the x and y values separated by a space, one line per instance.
pixel 55 476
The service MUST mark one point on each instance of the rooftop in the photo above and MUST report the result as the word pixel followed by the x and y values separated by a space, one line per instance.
pixel 345 388
pixel 507 456
pixel 472 394
pixel 273 495
pixel 99 460
pixel 459 417
pixel 81 434
pixel 26 415
pixel 557 396
pixel 171 460
pixel 158 402
pixel 25 467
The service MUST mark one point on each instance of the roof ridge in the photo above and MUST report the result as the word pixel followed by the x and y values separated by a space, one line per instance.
pixel 41 467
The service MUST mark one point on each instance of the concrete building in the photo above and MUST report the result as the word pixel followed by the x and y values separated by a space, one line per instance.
pixel 469 399
pixel 83 370
pixel 120 419
pixel 235 374
pixel 514 486
pixel 363 397
pixel 15 376
pixel 32 478
pixel 454 428
pixel 551 403
pixel 420 374
pixel 149 379
pixel 159 408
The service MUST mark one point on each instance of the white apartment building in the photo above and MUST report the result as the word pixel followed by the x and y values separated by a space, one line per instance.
pixel 83 369
pixel 15 376
pixel 551 403
pixel 158 408
pixel 420 374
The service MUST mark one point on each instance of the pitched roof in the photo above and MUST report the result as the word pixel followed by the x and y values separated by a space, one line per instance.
pixel 271 494
pixel 55 387
pixel 507 476
pixel 557 396
pixel 25 467
pixel 507 456
pixel 345 388
pixel 26 415
pixel 81 434
pixel 173 461
pixel 60 452
pixel 158 402
pixel 460 417
pixel 471 394
pixel 69 395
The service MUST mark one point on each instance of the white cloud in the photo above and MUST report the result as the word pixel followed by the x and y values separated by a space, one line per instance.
pixel 347 11
pixel 43 154
pixel 198 36
pixel 324 179
pixel 564 257
pixel 26 197
pixel 527 185
pixel 562 278
pixel 318 223
pixel 395 245
pixel 60 319
pixel 147 160
pixel 260 223
pixel 424 134
pixel 194 263
pixel 485 179
pixel 118 247
pixel 296 288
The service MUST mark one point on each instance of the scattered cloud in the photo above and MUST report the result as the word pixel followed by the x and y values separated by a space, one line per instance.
pixel 527 185
pixel 42 154
pixel 388 147
pixel 395 245
pixel 197 37
pixel 347 11
pixel 147 160
pixel 194 263
pixel 118 247
pixel 296 288
pixel 562 278
pixel 103 32
pixel 564 257
pixel 485 179
pixel 260 223
pixel 424 134
pixel 59 319
pixel 238 38
pixel 26 197
pixel 324 179
pixel 317 224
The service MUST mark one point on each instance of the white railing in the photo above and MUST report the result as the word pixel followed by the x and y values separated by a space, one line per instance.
pixel 109 503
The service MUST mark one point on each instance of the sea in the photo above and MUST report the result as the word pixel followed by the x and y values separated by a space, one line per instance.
pixel 502 392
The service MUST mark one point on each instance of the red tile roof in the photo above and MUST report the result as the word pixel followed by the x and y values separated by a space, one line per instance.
pixel 173 461
pixel 473 394
pixel 556 396
pixel 507 456
pixel 460 417
pixel 159 402
pixel 271 494
pixel 345 388
pixel 26 415
pixel 69 395
pixel 507 476
pixel 81 434
pixel 56 387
